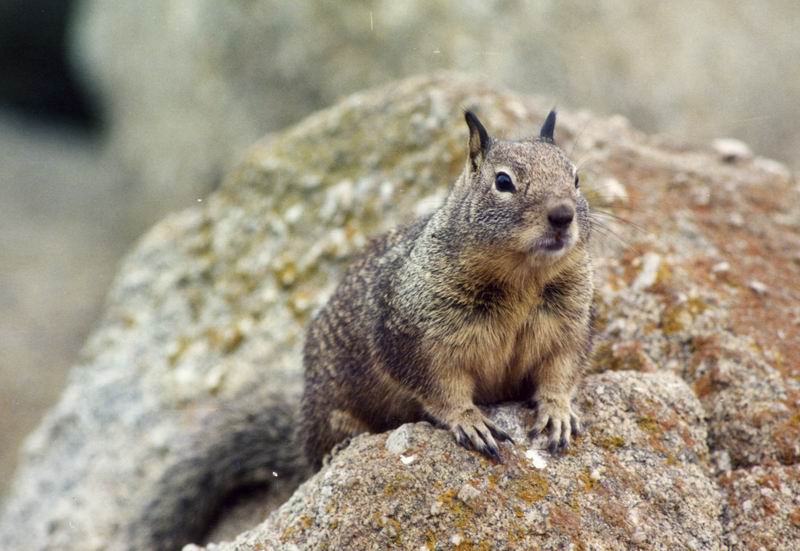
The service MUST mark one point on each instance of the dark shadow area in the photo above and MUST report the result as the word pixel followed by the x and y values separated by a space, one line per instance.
pixel 36 80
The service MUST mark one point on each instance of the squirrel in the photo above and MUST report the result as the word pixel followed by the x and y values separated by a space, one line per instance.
pixel 488 299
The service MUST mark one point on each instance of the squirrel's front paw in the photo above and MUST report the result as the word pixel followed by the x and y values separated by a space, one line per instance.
pixel 475 432
pixel 556 415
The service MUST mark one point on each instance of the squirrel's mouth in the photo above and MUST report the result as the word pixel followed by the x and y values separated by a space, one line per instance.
pixel 553 243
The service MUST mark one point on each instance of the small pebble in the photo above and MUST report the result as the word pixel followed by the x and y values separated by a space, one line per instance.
pixel 721 268
pixel 537 460
pixel 773 167
pixel 758 287
pixel 736 220
pixel 468 493
pixel 638 537
pixel 701 196
pixel 651 262
pixel 399 440
pixel 731 150
pixel 611 191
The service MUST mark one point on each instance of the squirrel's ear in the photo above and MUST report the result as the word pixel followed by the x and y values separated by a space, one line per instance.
pixel 479 140
pixel 549 127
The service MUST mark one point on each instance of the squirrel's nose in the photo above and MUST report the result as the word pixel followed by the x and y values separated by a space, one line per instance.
pixel 561 216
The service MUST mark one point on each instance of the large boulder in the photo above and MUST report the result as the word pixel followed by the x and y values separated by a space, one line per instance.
pixel 187 84
pixel 698 286
pixel 638 478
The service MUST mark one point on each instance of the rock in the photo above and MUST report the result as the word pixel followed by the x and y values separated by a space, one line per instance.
pixel 758 287
pixel 752 409
pixel 762 510
pixel 238 70
pixel 645 434
pixel 731 150
pixel 610 191
pixel 721 267
pixel 399 440
pixel 214 300
pixel 773 166
pixel 468 493
pixel 647 277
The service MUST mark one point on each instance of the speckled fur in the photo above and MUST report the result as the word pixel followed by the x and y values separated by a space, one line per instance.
pixel 461 308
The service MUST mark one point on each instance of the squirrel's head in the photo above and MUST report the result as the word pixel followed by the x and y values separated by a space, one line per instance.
pixel 522 197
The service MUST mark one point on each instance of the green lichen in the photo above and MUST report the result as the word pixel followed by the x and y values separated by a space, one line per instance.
pixel 180 350
pixel 674 318
pixel 462 514
pixel 649 425
pixel 611 443
pixel 530 488
pixel 587 481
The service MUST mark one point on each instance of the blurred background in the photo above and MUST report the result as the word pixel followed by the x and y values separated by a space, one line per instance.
pixel 115 112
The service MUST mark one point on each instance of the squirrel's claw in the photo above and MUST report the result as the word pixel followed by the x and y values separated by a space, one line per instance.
pixel 577 428
pixel 561 424
pixel 476 433
pixel 499 433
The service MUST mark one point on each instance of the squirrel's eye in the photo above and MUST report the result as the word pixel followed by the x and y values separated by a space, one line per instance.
pixel 503 182
pixel 577 181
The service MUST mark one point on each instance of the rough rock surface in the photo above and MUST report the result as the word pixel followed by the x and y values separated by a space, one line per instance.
pixel 188 83
pixel 639 476
pixel 763 507
pixel 215 298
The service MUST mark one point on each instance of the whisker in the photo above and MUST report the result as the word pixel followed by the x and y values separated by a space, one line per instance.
pixel 596 218
pixel 607 232
pixel 605 237
pixel 618 207
pixel 612 216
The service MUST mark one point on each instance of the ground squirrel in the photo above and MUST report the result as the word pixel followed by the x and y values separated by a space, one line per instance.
pixel 486 300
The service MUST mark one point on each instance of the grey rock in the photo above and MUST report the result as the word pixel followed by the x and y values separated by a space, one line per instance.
pixel 752 409
pixel 762 509
pixel 399 440
pixel 646 435
pixel 647 277
pixel 188 85
pixel 731 150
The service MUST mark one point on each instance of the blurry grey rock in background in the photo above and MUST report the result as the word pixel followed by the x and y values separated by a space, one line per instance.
pixel 60 238
pixel 188 84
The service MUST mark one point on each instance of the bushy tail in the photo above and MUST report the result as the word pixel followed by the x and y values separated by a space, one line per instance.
pixel 240 444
